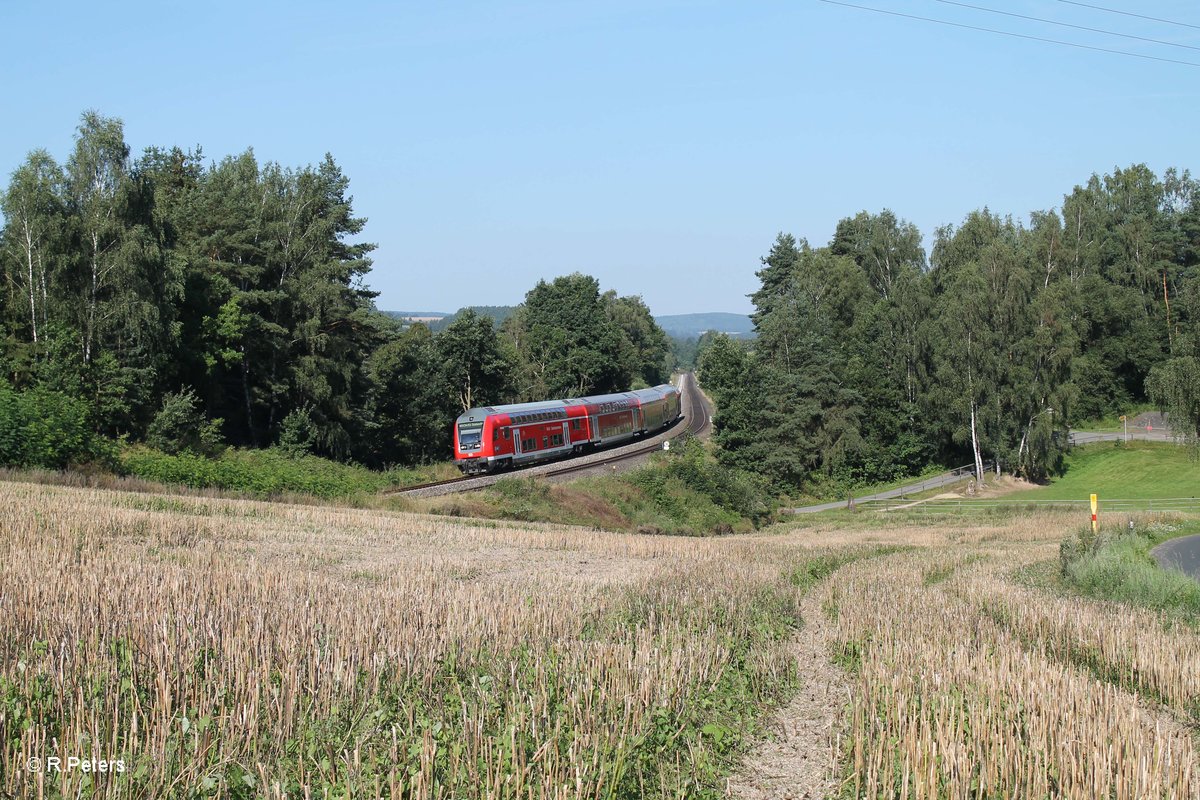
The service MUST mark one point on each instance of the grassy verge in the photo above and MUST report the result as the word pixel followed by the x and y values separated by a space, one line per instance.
pixel 269 473
pixel 837 490
pixel 238 474
pixel 684 492
pixel 1117 565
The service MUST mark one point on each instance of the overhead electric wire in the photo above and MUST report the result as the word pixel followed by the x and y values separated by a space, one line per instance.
pixel 1014 35
pixel 1067 24
pixel 1131 14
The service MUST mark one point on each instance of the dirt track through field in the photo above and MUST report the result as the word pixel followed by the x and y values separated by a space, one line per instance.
pixel 798 758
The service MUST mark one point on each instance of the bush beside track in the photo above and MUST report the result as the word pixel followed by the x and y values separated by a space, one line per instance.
pixel 683 492
pixel 268 473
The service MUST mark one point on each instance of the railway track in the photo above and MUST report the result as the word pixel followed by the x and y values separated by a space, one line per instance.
pixel 696 422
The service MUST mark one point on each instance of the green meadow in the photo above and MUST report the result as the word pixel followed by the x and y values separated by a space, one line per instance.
pixel 1124 471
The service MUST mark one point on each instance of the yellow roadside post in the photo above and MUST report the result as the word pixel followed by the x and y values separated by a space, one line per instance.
pixel 1095 520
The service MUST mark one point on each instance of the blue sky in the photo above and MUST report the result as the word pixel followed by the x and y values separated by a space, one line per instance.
pixel 659 146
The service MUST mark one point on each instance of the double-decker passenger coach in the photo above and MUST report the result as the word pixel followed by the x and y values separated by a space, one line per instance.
pixel 501 437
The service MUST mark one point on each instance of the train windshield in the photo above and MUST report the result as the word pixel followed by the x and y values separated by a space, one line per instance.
pixel 469 434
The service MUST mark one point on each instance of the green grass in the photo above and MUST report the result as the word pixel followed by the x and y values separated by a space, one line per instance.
pixel 1118 566
pixel 647 501
pixel 686 492
pixel 829 492
pixel 1117 471
pixel 268 473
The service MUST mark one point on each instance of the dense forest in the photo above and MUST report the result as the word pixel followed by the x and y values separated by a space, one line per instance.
pixel 873 361
pixel 194 305
pixel 181 305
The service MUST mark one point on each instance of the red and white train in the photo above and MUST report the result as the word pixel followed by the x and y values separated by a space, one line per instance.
pixel 502 437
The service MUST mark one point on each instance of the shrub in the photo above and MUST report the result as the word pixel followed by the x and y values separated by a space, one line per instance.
pixel 258 472
pixel 44 428
pixel 297 434
pixel 738 492
pixel 1118 566
pixel 180 426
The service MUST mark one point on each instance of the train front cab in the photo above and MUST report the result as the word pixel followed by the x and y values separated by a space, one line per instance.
pixel 473 450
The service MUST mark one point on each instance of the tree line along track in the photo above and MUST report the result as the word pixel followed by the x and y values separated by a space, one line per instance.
pixel 695 421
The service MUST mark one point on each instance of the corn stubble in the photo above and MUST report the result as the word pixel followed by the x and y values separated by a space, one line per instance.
pixel 974 686
pixel 235 649
pixel 238 649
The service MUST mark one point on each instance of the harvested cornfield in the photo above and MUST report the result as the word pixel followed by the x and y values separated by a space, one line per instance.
pixel 204 647
pixel 966 682
pixel 201 647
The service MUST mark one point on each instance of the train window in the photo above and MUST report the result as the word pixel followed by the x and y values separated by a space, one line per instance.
pixel 558 440
pixel 470 434
pixel 574 424
pixel 506 433
pixel 529 444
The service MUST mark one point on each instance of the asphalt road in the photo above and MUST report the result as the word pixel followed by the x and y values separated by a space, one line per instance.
pixel 1182 554
pixel 947 478
pixel 1156 435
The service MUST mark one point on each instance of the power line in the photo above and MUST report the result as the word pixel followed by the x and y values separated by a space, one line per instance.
pixel 1131 14
pixel 1014 35
pixel 1067 24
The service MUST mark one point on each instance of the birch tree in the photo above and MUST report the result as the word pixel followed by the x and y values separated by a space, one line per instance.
pixel 35 219
pixel 95 173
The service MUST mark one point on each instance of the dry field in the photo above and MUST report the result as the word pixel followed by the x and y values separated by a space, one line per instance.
pixel 222 648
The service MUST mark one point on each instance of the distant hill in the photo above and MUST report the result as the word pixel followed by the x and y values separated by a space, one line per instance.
pixel 690 326
pixel 438 320
pixel 497 313
pixel 417 315
pixel 680 326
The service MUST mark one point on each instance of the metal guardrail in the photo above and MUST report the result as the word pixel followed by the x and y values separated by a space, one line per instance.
pixel 947 505
pixel 935 481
